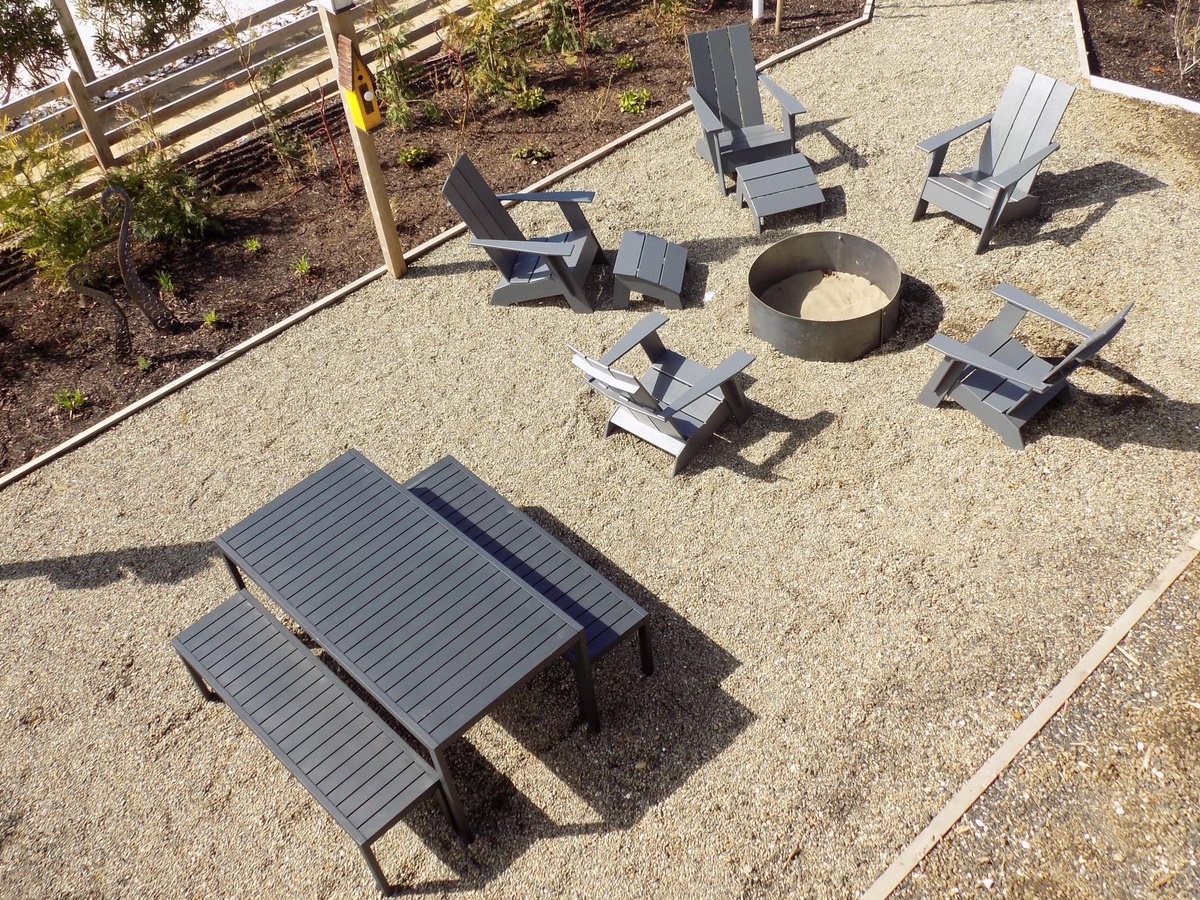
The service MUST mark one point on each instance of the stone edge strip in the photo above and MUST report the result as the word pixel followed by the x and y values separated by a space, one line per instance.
pixel 420 250
pixel 1119 87
pixel 974 787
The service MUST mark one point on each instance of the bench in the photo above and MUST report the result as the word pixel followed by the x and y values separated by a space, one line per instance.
pixel 649 265
pixel 363 773
pixel 777 185
pixel 529 552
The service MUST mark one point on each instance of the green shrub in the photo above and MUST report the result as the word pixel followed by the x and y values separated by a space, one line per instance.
pixel 529 100
pixel 129 30
pixel 70 400
pixel 490 46
pixel 626 62
pixel 414 157
pixel 634 101
pixel 169 204
pixel 561 34
pixel 533 154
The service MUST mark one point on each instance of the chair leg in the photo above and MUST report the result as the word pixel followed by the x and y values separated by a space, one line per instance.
pixel 647 653
pixel 944 377
pixel 989 226
pixel 620 298
pixel 922 206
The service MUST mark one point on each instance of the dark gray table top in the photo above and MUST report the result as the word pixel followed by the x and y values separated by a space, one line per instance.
pixel 433 627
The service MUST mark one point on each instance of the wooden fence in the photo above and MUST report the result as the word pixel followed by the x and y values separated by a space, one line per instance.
pixel 210 103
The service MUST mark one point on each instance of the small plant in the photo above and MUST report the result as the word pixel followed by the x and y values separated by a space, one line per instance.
pixel 70 401
pixel 634 101
pixel 145 363
pixel 166 287
pixel 533 155
pixel 252 245
pixel 210 319
pixel 413 157
pixel 1187 35
pixel 432 112
pixel 626 62
pixel 597 40
pixel 488 50
pixel 530 100
pixel 302 268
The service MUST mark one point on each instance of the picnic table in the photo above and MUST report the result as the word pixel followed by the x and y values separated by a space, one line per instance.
pixel 434 628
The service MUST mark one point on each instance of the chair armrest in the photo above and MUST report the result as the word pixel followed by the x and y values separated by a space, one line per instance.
pixel 709 121
pixel 1032 304
pixel 645 327
pixel 789 104
pixel 1013 174
pixel 541 248
pixel 734 363
pixel 551 197
pixel 962 353
pixel 941 140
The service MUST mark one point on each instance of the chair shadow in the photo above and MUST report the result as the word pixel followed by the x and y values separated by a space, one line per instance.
pixel 1096 188
pixel 843 153
pixel 657 731
pixel 165 564
pixel 1149 418
pixel 763 425
pixel 921 311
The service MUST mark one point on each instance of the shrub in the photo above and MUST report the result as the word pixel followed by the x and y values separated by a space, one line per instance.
pixel 626 62
pixel 70 400
pixel 32 50
pixel 413 157
pixel 530 100
pixel 492 40
pixel 1187 35
pixel 533 154
pixel 560 36
pixel 393 73
pixel 129 30
pixel 634 101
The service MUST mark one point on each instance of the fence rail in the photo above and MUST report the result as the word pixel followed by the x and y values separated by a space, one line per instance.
pixel 212 102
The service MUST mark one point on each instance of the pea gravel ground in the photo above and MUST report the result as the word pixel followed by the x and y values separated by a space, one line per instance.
pixel 853 597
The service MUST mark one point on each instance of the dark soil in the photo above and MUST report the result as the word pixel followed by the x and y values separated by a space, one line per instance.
pixel 1134 42
pixel 51 341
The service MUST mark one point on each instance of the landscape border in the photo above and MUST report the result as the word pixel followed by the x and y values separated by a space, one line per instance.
pixel 1119 87
pixel 227 356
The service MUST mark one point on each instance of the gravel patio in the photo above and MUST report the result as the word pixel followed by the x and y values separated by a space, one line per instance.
pixel 854 597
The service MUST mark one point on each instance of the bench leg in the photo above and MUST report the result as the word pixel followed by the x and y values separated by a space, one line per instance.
pixel 647 654
pixel 204 689
pixel 238 581
pixel 587 687
pixel 373 864
pixel 449 794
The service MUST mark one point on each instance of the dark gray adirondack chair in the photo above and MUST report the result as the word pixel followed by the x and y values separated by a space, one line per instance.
pixel 996 188
pixel 999 379
pixel 726 100
pixel 678 403
pixel 530 269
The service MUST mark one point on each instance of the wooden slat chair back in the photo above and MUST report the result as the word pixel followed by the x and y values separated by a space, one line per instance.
pixel 1028 114
pixel 626 391
pixel 1017 140
pixel 999 379
pixel 484 215
pixel 724 76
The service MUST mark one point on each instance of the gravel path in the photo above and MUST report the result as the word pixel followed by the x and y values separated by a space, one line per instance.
pixel 853 596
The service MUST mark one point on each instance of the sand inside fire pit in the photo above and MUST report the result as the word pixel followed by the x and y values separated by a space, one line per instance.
pixel 825 296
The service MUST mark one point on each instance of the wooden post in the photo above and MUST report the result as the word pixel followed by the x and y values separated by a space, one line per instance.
pixel 78 93
pixel 778 15
pixel 66 22
pixel 335 25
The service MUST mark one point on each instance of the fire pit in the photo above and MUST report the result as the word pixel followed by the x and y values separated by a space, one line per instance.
pixel 824 296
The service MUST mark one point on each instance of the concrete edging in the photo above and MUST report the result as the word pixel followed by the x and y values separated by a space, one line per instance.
pixel 1131 91
pixel 420 250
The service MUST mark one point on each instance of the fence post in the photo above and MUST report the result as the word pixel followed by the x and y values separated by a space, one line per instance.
pixel 78 93
pixel 335 24
pixel 74 43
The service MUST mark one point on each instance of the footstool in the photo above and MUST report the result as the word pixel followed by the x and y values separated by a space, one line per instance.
pixel 777 185
pixel 650 266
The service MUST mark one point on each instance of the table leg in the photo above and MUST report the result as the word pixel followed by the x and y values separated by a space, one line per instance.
pixel 458 815
pixel 587 687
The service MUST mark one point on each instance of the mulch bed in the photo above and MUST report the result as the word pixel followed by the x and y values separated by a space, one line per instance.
pixel 1134 42
pixel 52 341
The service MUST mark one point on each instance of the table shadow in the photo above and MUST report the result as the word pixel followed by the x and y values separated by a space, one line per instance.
pixel 163 564
pixel 657 731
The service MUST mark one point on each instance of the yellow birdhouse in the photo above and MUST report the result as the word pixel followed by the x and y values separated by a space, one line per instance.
pixel 358 84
